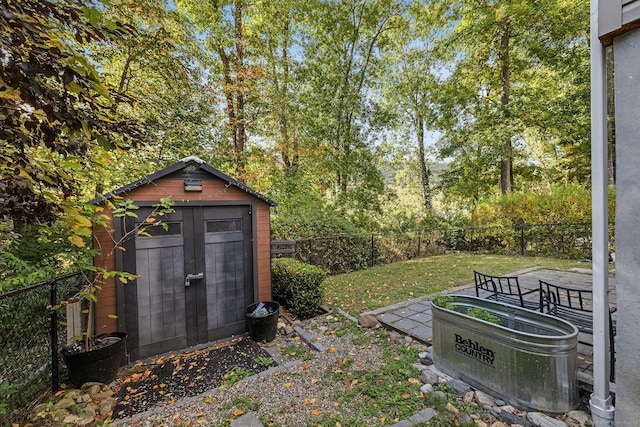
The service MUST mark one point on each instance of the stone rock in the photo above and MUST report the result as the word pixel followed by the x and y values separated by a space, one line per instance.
pixel 367 321
pixel 423 416
pixel 84 398
pixel 403 423
pixel 59 414
pixel 426 358
pixel 419 366
pixel 499 424
pixel 468 397
pixel 429 377
pixel 426 388
pixel 500 402
pixel 64 403
pixel 72 419
pixel 296 323
pixel 280 326
pixel 87 413
pixel 451 408
pixel 74 393
pixel 408 339
pixel 393 335
pixel 483 399
pixel 578 419
pixel 541 420
pixel 460 388
pixel 466 420
pixel 481 423
pixel 106 406
pixel 508 408
pixel 507 415
pixel 102 395
pixel 247 420
pixel 91 387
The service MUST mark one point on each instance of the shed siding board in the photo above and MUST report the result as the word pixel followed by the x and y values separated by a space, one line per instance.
pixel 214 192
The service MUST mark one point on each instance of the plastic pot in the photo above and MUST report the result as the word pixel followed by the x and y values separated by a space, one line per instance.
pixel 98 365
pixel 263 322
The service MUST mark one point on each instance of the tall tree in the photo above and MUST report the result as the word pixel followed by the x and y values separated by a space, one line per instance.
pixel 223 26
pixel 505 52
pixel 276 25
pixel 342 48
pixel 410 81
pixel 162 67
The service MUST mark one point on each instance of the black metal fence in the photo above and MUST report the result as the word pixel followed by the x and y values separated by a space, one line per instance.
pixel 31 334
pixel 342 254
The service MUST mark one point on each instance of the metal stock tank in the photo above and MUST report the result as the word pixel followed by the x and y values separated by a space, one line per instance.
pixel 527 358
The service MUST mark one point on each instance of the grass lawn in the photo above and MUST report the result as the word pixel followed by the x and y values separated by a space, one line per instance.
pixel 377 287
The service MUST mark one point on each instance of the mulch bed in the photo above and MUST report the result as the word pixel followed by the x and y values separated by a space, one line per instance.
pixel 173 377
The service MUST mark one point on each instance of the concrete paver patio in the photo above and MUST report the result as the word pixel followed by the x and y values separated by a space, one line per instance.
pixel 414 317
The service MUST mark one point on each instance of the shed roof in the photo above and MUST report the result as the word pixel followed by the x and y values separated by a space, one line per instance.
pixel 190 161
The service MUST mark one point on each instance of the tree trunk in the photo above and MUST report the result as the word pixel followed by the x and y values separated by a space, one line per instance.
pixel 424 171
pixel 240 131
pixel 506 165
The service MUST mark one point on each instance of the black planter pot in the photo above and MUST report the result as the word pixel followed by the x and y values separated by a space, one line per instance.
pixel 263 327
pixel 98 365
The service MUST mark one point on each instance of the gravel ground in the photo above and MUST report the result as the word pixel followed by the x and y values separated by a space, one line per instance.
pixel 294 393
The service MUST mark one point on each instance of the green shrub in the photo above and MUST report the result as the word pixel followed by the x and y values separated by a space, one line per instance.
pixel 297 286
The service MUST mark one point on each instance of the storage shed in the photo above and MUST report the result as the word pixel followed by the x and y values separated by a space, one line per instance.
pixel 197 273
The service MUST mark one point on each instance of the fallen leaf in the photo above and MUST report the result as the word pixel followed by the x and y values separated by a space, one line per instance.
pixel 238 412
pixel 331 350
pixel 405 395
pixel 287 385
pixel 208 399
pixel 414 381
pixel 314 380
pixel 315 412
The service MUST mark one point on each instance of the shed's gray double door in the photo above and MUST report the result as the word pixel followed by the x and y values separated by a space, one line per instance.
pixel 196 278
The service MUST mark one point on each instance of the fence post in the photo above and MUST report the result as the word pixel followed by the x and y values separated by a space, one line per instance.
pixel 55 372
pixel 522 239
pixel 419 236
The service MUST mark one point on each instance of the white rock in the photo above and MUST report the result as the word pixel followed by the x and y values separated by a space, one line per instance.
pixel 541 420
pixel 426 388
pixel 483 399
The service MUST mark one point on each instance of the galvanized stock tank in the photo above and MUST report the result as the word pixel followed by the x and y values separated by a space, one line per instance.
pixel 527 358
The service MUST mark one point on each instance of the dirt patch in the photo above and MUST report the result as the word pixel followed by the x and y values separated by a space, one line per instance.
pixel 170 378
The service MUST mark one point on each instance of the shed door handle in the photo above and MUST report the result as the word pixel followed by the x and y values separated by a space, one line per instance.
pixel 191 277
